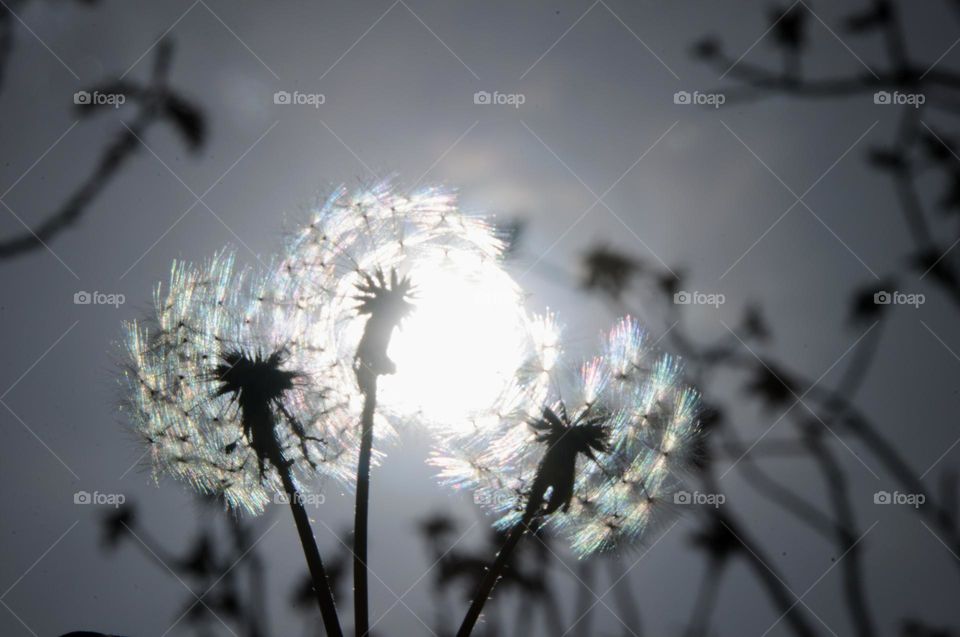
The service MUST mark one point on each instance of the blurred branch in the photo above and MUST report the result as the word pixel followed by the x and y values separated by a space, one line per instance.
pixel 156 103
pixel 849 543
pixel 212 573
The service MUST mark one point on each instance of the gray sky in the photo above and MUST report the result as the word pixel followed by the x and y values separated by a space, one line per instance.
pixel 690 187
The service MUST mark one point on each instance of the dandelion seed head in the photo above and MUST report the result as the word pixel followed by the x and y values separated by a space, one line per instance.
pixel 460 351
pixel 215 341
pixel 648 418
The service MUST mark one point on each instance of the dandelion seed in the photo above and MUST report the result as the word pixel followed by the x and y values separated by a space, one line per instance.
pixel 227 398
pixel 462 343
pixel 449 355
pixel 224 394
pixel 595 464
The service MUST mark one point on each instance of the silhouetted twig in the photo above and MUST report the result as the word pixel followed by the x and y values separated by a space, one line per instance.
pixel 156 103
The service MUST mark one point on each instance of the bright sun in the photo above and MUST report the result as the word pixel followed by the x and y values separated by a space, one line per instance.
pixel 461 346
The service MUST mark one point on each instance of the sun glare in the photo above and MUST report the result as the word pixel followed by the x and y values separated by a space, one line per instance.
pixel 458 350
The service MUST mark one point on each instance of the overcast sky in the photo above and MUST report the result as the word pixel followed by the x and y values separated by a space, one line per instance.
pixel 691 187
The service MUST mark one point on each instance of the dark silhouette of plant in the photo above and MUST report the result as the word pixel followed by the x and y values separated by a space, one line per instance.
pixel 596 476
pixel 259 386
pixel 156 102
pixel 343 269
pixel 385 304
pixel 261 419
pixel 915 628
pixel 208 564
pixel 608 271
pixel 565 441
pixel 922 150
pixel 525 575
pixel 771 385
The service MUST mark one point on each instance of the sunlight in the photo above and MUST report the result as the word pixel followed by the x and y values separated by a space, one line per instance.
pixel 458 350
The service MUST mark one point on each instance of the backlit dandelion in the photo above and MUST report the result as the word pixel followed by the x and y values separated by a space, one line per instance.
pixel 198 373
pixel 462 340
pixel 406 300
pixel 229 399
pixel 623 431
pixel 595 462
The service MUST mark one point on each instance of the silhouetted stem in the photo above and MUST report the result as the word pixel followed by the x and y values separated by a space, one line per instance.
pixel 777 493
pixel 781 597
pixel 112 159
pixel 361 613
pixel 321 586
pixel 853 563
pixel 70 212
pixel 839 494
pixel 492 576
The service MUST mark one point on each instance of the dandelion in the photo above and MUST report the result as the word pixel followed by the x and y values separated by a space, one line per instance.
pixel 464 334
pixel 229 400
pixel 406 301
pixel 594 465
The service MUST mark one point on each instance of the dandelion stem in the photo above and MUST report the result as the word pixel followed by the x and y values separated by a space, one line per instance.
pixel 321 585
pixel 485 589
pixel 361 613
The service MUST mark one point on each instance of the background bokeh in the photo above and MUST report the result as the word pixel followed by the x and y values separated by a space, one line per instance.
pixel 694 188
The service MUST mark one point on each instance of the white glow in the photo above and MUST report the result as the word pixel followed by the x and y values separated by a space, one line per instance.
pixel 461 346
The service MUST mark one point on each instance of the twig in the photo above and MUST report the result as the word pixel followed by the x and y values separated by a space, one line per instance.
pixel 852 564
pixel 157 103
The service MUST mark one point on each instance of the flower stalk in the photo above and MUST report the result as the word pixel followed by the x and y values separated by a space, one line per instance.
pixel 258 385
pixel 595 467
pixel 386 304
pixel 552 488
pixel 361 521
pixel 492 576
pixel 321 584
